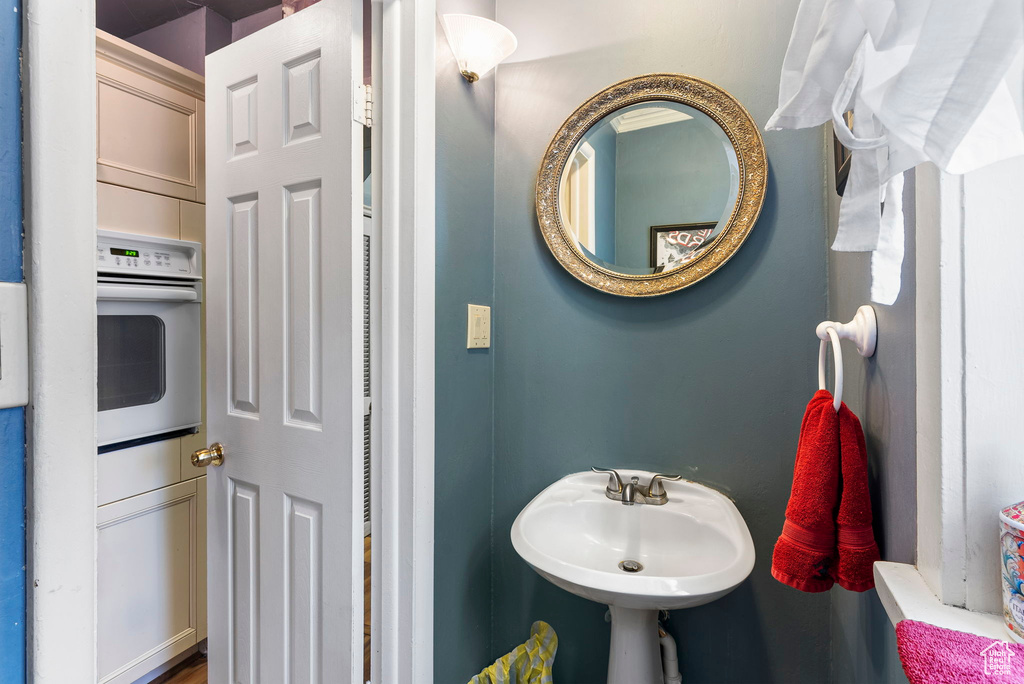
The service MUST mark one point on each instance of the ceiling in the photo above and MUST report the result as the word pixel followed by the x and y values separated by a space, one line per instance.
pixel 125 18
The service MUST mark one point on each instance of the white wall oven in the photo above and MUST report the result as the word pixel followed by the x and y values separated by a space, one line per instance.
pixel 149 380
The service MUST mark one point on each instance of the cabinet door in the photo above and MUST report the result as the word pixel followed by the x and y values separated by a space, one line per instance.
pixel 147 581
pixel 148 133
pixel 201 154
pixel 201 560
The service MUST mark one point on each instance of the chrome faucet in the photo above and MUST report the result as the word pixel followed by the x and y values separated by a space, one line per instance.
pixel 633 492
pixel 629 492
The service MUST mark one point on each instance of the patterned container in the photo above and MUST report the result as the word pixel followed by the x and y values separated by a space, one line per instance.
pixel 1012 545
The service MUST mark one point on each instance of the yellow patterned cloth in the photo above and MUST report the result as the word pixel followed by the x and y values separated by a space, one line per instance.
pixel 529 663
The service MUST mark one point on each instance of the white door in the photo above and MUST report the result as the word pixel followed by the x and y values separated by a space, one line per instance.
pixel 284 352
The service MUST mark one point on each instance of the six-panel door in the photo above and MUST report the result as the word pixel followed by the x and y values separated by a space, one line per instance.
pixel 284 352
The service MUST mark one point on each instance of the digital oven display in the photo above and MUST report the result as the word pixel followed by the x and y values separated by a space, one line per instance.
pixel 116 251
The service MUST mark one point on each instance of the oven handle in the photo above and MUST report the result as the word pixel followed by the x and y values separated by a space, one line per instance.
pixel 152 293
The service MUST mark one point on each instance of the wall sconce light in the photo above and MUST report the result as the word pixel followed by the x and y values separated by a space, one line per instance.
pixel 479 44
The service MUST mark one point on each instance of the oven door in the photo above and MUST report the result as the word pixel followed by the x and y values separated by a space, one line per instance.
pixel 148 352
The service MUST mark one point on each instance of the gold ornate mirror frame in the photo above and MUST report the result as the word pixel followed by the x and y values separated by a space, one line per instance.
pixel 694 92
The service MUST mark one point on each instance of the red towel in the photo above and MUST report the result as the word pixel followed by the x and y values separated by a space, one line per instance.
pixel 857 548
pixel 805 553
pixel 933 655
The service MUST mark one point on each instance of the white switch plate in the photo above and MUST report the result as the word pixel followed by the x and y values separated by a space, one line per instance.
pixel 13 345
pixel 478 327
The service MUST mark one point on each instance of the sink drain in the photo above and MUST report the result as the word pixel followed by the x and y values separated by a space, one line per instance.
pixel 630 566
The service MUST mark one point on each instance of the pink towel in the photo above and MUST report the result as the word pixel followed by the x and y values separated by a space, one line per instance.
pixel 934 655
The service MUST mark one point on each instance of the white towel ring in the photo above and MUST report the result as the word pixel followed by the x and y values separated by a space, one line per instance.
pixel 837 352
pixel 862 330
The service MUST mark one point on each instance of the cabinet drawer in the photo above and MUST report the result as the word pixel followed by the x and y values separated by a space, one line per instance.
pixel 127 472
pixel 133 211
pixel 147 581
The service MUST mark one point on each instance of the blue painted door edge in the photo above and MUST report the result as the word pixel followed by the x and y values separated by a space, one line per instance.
pixel 12 420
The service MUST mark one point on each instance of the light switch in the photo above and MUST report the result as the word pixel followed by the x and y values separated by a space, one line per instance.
pixel 478 327
pixel 13 345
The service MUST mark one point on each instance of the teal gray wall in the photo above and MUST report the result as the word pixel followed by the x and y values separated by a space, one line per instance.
pixel 710 382
pixel 576 377
pixel 668 174
pixel 464 379
pixel 882 392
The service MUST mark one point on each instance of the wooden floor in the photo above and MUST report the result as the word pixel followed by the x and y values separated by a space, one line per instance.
pixel 366 608
pixel 194 671
pixel 190 672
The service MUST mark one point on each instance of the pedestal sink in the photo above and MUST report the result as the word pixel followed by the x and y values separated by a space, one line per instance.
pixel 637 559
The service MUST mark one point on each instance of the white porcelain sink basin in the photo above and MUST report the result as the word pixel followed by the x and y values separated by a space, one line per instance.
pixel 693 550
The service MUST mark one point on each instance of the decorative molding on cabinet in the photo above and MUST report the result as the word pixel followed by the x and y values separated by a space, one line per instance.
pixel 123 53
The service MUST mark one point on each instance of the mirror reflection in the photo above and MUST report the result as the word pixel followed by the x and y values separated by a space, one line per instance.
pixel 649 187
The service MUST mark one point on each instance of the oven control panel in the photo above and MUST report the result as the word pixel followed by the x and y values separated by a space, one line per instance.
pixel 123 253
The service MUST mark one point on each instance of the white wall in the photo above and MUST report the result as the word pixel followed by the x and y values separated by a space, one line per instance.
pixel 993 240
pixel 969 325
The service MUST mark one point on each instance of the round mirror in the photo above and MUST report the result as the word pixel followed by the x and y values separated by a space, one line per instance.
pixel 648 186
pixel 651 185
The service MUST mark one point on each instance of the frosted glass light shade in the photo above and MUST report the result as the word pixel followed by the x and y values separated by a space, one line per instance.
pixel 479 44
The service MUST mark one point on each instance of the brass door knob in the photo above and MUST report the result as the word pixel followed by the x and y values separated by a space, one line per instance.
pixel 206 457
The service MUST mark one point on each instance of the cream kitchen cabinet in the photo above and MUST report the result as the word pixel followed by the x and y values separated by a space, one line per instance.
pixel 151 579
pixel 150 122
pixel 132 211
pixel 136 470
pixel 152 502
pixel 151 515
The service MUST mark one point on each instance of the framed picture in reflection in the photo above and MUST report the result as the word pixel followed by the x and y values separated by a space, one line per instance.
pixel 674 245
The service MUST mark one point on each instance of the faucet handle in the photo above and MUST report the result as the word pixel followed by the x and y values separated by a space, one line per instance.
pixel 614 481
pixel 656 488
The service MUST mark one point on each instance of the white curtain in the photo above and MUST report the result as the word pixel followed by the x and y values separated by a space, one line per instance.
pixel 927 80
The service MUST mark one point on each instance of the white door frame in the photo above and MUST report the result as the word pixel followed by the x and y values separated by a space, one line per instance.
pixel 59 83
pixel 59 75
pixel 402 518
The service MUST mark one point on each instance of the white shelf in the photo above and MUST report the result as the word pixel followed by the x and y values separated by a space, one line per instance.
pixel 906 596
